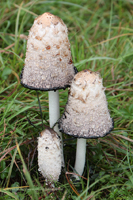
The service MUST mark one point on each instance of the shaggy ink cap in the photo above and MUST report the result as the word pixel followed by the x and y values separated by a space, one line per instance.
pixel 49 155
pixel 48 62
pixel 86 114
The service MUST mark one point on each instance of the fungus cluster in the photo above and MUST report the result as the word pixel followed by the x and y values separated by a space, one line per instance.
pixel 49 67
pixel 48 62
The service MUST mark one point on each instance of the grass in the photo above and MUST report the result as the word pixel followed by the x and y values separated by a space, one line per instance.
pixel 101 37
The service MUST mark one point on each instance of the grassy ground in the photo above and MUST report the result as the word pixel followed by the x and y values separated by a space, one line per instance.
pixel 101 36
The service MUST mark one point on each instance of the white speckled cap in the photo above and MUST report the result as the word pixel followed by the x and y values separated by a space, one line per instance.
pixel 48 62
pixel 86 114
pixel 49 155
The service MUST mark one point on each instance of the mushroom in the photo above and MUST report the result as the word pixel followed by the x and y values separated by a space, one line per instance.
pixel 48 62
pixel 86 114
pixel 49 155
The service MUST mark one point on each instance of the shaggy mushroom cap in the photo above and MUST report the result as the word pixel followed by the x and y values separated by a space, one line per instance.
pixel 49 155
pixel 48 62
pixel 86 114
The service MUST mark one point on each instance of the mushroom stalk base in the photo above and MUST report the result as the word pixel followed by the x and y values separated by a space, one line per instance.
pixel 80 157
pixel 54 113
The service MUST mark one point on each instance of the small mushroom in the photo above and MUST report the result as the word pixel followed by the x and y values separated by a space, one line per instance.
pixel 86 113
pixel 49 155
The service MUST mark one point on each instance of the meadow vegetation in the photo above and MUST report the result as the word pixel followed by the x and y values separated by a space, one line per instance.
pixel 101 37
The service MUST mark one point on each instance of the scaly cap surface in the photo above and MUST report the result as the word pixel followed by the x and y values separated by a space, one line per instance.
pixel 86 114
pixel 48 62
pixel 49 155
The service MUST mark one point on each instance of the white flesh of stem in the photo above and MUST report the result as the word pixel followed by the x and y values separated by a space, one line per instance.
pixel 80 157
pixel 54 113
pixel 54 109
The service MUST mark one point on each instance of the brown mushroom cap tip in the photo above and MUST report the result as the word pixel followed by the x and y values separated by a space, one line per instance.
pixel 87 75
pixel 47 19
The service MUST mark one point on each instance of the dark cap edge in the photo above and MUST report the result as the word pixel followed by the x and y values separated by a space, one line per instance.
pixel 44 89
pixel 91 137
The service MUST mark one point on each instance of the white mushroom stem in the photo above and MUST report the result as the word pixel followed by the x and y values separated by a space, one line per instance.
pixel 80 157
pixel 54 113
pixel 54 109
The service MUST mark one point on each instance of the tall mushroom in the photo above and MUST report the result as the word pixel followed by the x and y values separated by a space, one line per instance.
pixel 48 63
pixel 86 114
